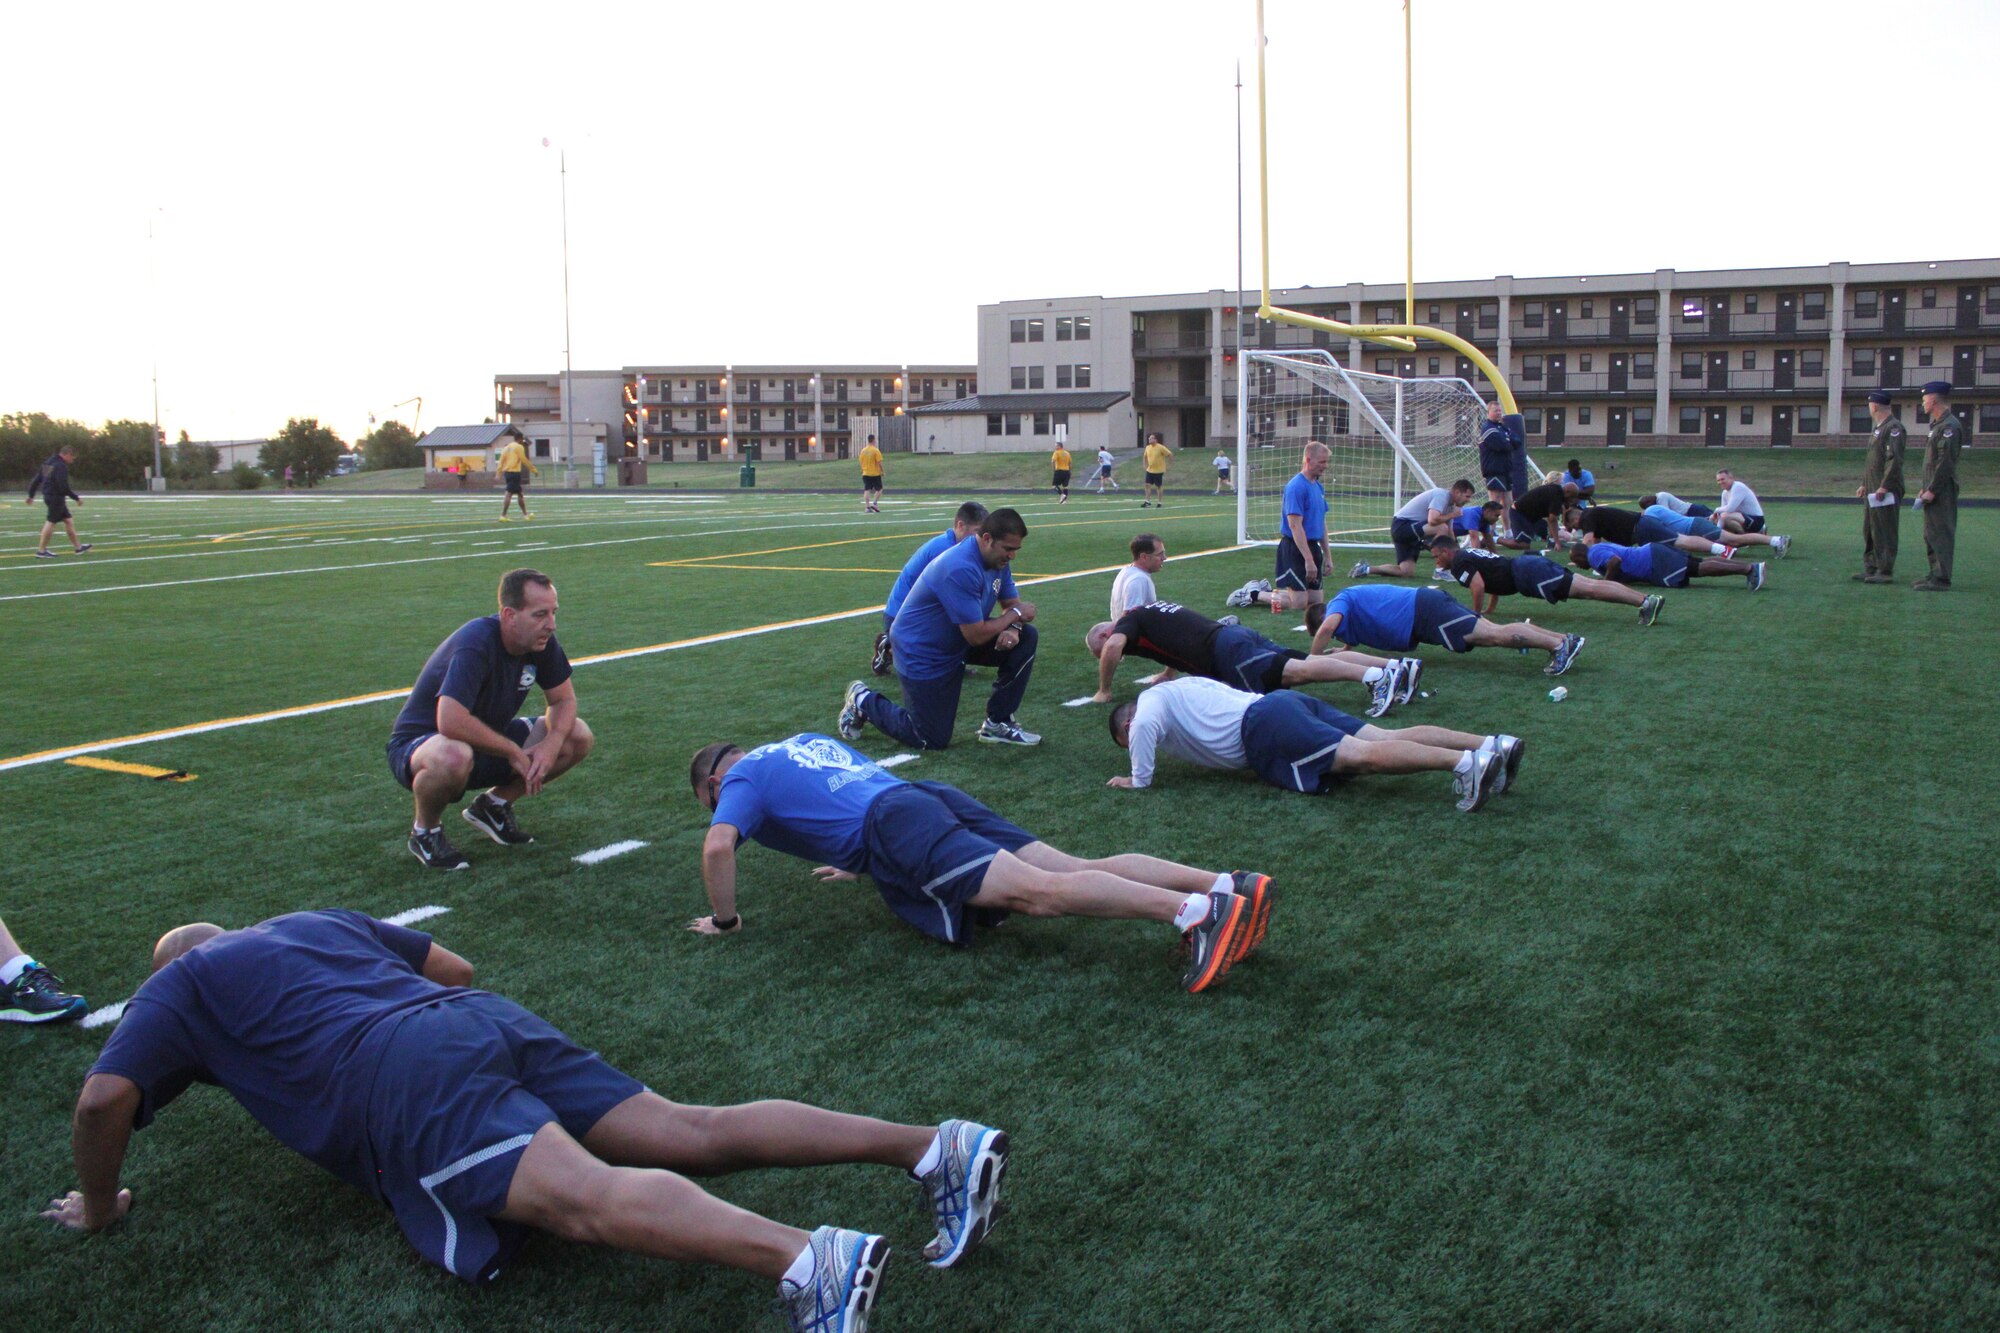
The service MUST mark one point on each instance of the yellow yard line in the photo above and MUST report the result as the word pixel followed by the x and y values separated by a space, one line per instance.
pixel 136 770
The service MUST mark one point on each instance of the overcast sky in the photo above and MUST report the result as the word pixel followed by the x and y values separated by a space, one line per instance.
pixel 351 204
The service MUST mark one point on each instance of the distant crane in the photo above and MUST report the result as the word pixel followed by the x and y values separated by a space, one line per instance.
pixel 417 423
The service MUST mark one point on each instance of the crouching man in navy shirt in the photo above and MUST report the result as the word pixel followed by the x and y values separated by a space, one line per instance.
pixel 358 1044
pixel 459 730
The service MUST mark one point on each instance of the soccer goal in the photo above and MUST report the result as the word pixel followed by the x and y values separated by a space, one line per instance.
pixel 1391 439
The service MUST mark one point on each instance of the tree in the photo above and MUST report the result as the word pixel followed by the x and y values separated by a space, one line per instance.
pixel 391 444
pixel 191 462
pixel 304 445
pixel 26 438
pixel 117 455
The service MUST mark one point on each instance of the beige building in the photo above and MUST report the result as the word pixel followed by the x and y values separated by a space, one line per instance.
pixel 1740 357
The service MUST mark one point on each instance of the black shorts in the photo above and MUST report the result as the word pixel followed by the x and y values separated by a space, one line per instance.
pixel 513 480
pixel 1059 478
pixel 871 483
pixel 1753 524
pixel 1408 535
pixel 1156 478
pixel 58 511
pixel 1291 571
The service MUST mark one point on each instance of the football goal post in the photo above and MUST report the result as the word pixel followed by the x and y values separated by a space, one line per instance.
pixel 1391 439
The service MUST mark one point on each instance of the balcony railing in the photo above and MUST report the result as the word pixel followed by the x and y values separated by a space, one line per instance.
pixel 1586 381
pixel 1170 340
pixel 528 403
pixel 1169 392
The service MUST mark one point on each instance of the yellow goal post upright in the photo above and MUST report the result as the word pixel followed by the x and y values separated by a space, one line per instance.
pixel 1392 436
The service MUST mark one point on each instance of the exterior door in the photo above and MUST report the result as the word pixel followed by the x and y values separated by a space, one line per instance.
pixel 791 450
pixel 1555 427
pixel 701 451
pixel 1619 367
pixel 1614 430
pixel 1781 377
pixel 1558 376
pixel 1892 312
pixel 1788 313
pixel 1962 371
pixel 1718 315
pixel 1718 427
pixel 1781 427
pixel 1892 367
pixel 1621 319
pixel 1464 322
pixel 1718 370
pixel 1968 309
pixel 1406 366
pixel 1558 319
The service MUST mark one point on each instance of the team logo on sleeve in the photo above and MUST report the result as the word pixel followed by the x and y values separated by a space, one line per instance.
pixel 528 676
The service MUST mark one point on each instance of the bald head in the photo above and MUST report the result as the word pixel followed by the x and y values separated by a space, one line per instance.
pixel 182 939
pixel 1096 636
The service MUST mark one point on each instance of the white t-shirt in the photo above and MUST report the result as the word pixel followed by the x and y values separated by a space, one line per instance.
pixel 1133 587
pixel 1221 461
pixel 1104 458
pixel 1437 498
pixel 1740 499
pixel 1671 501
pixel 1191 718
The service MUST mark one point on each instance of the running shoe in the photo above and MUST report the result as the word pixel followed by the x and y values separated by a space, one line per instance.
pixel 85 547
pixel 885 654
pixel 1360 570
pixel 847 1277
pixel 1782 545
pixel 1649 610
pixel 1258 893
pixel 1382 694
pixel 1006 733
pixel 45 555
pixel 435 850
pixel 496 821
pixel 851 718
pixel 1413 671
pixel 37 996
pixel 1241 597
pixel 1508 749
pixel 1212 945
pixel 1565 656
pixel 1755 578
pixel 963 1190
pixel 1477 785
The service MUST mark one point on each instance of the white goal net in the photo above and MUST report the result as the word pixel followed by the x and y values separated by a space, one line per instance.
pixel 1390 438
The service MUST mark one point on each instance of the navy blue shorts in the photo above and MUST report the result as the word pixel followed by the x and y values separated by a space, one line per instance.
pixel 1408 535
pixel 1540 577
pixel 1701 527
pixel 463 1086
pixel 927 847
pixel 1442 620
pixel 1290 738
pixel 488 770
pixel 1648 530
pixel 1670 566
pixel 1497 470
pixel 1291 572
pixel 514 480
pixel 1246 660
pixel 1700 511
pixel 1753 524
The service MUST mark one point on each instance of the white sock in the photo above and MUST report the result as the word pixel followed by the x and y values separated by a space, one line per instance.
pixel 1713 549
pixel 11 970
pixel 932 1156
pixel 1194 911
pixel 800 1274
pixel 1464 764
pixel 491 799
pixel 419 828
pixel 1224 883
pixel 1371 675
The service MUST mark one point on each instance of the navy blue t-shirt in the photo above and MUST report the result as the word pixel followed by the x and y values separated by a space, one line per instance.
pixel 474 667
pixel 289 1017
pixel 807 797
pixel 915 566
pixel 1375 614
pixel 956 589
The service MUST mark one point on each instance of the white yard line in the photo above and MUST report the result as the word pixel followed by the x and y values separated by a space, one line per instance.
pixel 895 759
pixel 110 1013
pixel 606 853
pixel 416 914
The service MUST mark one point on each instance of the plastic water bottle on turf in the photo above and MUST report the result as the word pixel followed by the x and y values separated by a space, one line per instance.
pixel 1558 694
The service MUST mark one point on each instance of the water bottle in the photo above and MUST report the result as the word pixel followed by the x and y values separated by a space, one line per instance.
pixel 1558 694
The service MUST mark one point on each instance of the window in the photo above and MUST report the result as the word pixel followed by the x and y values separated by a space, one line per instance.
pixel 1642 365
pixel 1060 420
pixel 1809 420
pixel 1531 315
pixel 1385 365
pixel 1583 362
pixel 1531 421
pixel 1291 418
pixel 1034 377
pixel 1812 364
pixel 1929 298
pixel 541 448
pixel 1750 303
pixel 1012 423
pixel 1642 421
pixel 1692 310
pixel 1989 418
pixel 1583 416
pixel 1489 315
pixel 1018 378
pixel 1993 300
pixel 1065 328
pixel 1435 311
pixel 1531 368
pixel 1864 361
pixel 1813 306
pixel 1857 420
pixel 1747 416
pixel 1017 330
pixel 1436 364
pixel 1065 377
pixel 1923 356
pixel 1083 328
pixel 1041 423
pixel 1989 361
pixel 1867 305
pixel 1690 365
pixel 1387 314
pixel 1083 375
pixel 1034 331
pixel 1690 421
pixel 1645 310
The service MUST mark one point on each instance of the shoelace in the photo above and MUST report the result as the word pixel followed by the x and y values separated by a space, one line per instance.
pixel 39 981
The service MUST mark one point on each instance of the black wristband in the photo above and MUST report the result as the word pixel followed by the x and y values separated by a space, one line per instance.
pixel 731 924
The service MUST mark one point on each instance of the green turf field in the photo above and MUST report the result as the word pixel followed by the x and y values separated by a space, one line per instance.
pixel 1696 1028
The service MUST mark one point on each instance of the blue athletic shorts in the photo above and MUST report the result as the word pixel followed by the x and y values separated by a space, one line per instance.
pixel 1537 576
pixel 1291 572
pixel 1670 566
pixel 1704 529
pixel 463 1085
pixel 1648 530
pixel 1290 739
pixel 1442 620
pixel 927 847
pixel 1408 535
pixel 1246 660
pixel 1498 471
pixel 488 770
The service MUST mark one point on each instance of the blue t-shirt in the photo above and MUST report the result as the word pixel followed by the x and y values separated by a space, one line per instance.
pixel 1680 523
pixel 1634 562
pixel 956 589
pixel 1306 498
pixel 290 1018
pixel 1583 478
pixel 475 668
pixel 805 797
pixel 1375 614
pixel 914 566
pixel 1471 519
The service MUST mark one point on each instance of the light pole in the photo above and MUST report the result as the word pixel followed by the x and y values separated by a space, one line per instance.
pixel 153 283
pixel 567 399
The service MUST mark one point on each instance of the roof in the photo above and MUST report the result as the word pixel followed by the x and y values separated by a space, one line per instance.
pixel 469 437
pixel 1089 401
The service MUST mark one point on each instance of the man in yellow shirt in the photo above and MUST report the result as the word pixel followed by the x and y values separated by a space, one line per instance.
pixel 1059 473
pixel 871 478
pixel 514 470
pixel 1157 456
